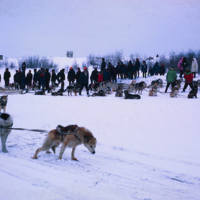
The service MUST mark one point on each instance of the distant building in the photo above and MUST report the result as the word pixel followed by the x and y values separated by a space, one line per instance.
pixel 69 54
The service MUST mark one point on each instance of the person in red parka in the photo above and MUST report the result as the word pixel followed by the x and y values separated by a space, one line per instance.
pixel 188 76
pixel 100 77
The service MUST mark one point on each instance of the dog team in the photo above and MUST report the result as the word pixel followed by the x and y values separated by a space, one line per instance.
pixel 69 136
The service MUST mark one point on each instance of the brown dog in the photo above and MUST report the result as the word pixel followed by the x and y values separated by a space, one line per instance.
pixel 70 136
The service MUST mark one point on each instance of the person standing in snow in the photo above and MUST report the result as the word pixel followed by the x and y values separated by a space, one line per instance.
pixel 83 80
pixel 137 67
pixel 180 67
pixel 78 73
pixel 61 79
pixel 6 77
pixel 194 67
pixel 103 64
pixel 53 78
pixel 71 76
pixel 29 78
pixel 188 76
pixel 94 76
pixel 185 64
pixel 144 69
pixel 171 78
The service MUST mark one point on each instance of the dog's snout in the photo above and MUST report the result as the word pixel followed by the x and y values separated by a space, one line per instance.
pixel 93 152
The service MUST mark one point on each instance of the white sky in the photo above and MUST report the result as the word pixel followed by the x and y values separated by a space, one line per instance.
pixel 50 27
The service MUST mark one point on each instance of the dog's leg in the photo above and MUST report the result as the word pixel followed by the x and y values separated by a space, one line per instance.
pixel 63 149
pixel 54 148
pixel 3 142
pixel 43 148
pixel 72 154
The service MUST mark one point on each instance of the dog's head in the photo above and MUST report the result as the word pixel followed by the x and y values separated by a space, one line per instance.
pixel 67 129
pixel 4 98
pixel 90 143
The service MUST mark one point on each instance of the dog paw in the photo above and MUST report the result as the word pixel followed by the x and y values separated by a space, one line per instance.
pixel 34 157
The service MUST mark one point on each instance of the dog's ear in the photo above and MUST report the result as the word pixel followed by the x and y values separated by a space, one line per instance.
pixel 59 129
pixel 87 138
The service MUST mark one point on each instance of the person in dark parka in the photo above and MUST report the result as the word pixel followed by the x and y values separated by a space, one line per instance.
pixel 103 64
pixel 130 69
pixel 6 77
pixel 53 78
pixel 94 76
pixel 106 76
pixel 71 75
pixel 47 78
pixel 41 74
pixel 83 80
pixel 61 79
pixel 29 78
pixel 137 67
pixel 78 73
pixel 17 79
pixel 144 69
pixel 112 71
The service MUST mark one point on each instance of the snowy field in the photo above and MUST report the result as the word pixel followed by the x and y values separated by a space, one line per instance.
pixel 147 149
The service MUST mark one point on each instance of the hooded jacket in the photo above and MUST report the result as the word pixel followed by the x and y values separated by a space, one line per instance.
pixel 171 76
pixel 188 77
pixel 180 66
pixel 194 67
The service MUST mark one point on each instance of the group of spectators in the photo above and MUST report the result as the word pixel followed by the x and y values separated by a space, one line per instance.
pixel 189 73
pixel 44 79
pixel 130 70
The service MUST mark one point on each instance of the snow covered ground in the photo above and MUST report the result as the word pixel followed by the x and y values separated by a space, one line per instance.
pixel 147 149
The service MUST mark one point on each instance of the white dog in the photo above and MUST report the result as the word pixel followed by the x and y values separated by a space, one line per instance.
pixel 6 122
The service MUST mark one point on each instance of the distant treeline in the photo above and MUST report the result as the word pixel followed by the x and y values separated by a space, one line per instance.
pixel 168 61
pixel 92 60
pixel 31 63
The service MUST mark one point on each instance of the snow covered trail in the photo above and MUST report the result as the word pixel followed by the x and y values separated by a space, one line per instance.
pixel 146 150
pixel 111 173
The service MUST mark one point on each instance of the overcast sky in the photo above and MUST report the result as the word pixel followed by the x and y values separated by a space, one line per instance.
pixel 51 27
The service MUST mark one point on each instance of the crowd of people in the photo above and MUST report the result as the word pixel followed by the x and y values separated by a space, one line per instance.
pixel 45 79
pixel 185 71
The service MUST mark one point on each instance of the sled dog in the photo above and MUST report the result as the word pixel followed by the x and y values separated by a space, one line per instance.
pixel 6 122
pixel 69 136
pixel 153 91
pixel 131 96
pixel 139 87
pixel 3 103
pixel 194 91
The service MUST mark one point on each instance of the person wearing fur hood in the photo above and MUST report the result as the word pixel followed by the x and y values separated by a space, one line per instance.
pixel 194 66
